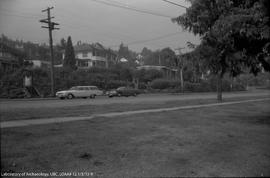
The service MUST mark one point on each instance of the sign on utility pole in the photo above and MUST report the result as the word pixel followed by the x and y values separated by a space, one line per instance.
pixel 50 26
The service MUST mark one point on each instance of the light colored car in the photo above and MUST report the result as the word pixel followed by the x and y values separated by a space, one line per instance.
pixel 80 92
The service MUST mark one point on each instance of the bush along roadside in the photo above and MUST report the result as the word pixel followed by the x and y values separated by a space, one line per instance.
pixel 165 85
pixel 11 84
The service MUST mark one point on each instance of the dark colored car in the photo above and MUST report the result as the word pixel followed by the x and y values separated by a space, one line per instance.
pixel 123 91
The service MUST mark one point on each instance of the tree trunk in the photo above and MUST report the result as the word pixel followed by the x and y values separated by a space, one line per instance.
pixel 136 83
pixel 219 87
pixel 182 80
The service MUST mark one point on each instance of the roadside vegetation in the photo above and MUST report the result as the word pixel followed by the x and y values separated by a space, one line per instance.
pixel 193 71
pixel 106 79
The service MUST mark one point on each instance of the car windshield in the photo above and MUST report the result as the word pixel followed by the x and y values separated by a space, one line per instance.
pixel 93 88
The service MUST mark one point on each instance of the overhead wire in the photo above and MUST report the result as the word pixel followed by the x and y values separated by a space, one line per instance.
pixel 179 5
pixel 151 39
pixel 21 13
pixel 120 4
pixel 127 7
pixel 17 15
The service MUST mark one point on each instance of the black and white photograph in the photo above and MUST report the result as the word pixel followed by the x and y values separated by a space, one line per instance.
pixel 135 88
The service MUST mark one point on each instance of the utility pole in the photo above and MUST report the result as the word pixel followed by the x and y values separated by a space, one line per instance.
pixel 159 60
pixel 50 26
pixel 180 65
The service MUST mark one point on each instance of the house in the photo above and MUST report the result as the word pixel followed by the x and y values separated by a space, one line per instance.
pixel 167 71
pixel 9 60
pixel 93 55
pixel 40 63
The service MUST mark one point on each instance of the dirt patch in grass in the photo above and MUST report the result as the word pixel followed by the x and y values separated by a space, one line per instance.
pixel 216 141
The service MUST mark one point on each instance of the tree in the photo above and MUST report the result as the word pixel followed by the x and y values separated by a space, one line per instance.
pixel 163 57
pixel 69 60
pixel 146 52
pixel 124 52
pixel 169 57
pixel 235 33
pixel 63 43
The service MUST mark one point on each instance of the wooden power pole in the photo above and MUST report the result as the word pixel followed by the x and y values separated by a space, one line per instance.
pixel 50 26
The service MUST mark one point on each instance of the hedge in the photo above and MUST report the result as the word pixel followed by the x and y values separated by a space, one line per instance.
pixel 203 86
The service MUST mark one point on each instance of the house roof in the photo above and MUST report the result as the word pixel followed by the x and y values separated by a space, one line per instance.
pixel 88 47
pixel 83 47
pixel 91 47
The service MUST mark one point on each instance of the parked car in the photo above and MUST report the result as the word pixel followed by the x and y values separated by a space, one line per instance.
pixel 123 91
pixel 80 92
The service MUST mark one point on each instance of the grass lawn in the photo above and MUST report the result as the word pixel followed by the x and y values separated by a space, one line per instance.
pixel 231 140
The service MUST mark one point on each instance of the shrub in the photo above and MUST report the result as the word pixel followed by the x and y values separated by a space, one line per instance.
pixel 191 87
pixel 115 84
pixel 142 86
pixel 160 84
pixel 164 84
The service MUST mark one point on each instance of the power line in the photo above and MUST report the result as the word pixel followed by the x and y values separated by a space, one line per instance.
pixel 132 8
pixel 16 15
pixel 151 39
pixel 19 12
pixel 86 28
pixel 175 4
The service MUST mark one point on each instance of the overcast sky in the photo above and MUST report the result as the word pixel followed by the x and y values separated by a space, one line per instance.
pixel 91 21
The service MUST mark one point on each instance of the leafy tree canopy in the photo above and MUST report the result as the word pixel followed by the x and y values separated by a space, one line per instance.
pixel 234 33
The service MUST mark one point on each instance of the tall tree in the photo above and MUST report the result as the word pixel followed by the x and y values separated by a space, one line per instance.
pixel 146 52
pixel 235 33
pixel 69 60
pixel 123 52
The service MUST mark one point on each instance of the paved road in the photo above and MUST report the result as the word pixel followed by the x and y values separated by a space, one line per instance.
pixel 23 123
pixel 8 105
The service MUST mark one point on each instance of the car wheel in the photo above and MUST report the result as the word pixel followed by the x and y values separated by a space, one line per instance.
pixel 62 98
pixel 135 94
pixel 70 96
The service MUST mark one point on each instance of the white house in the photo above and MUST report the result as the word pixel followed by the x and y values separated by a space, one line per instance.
pixel 94 55
pixel 40 63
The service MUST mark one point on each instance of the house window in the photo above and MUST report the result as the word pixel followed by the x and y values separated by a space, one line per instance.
pixel 84 54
